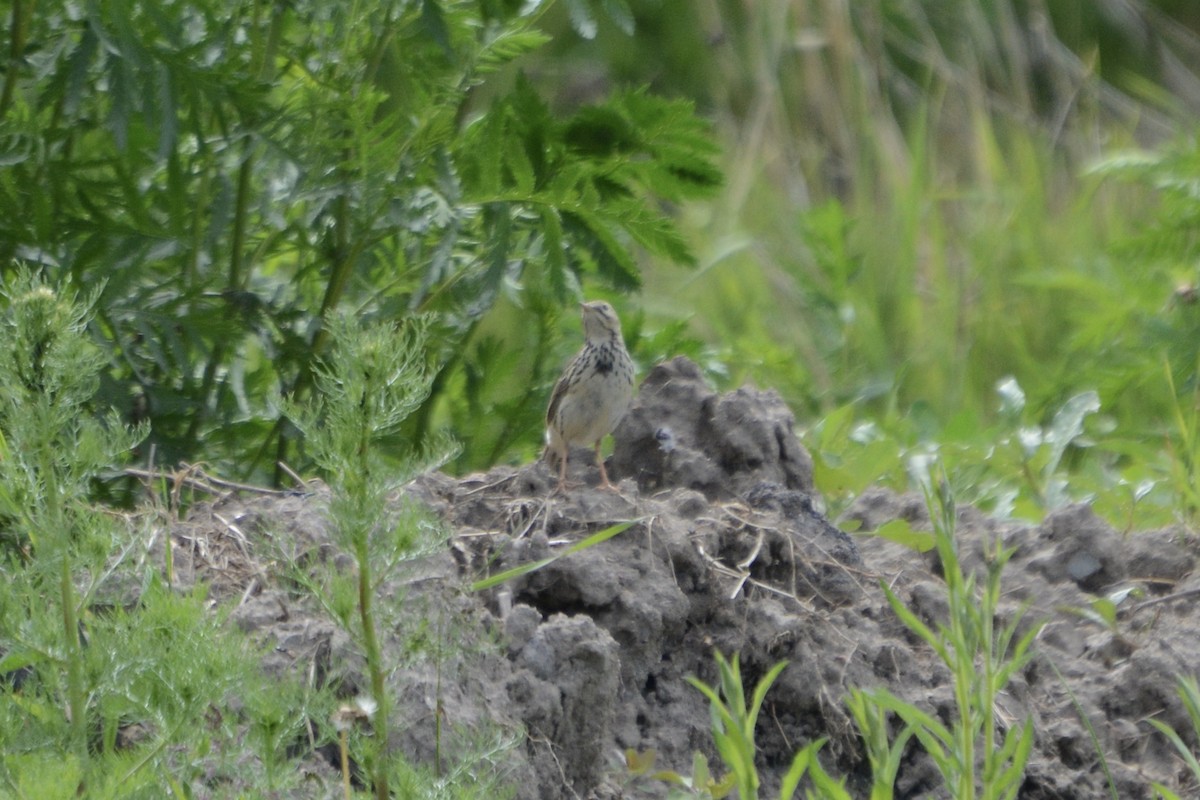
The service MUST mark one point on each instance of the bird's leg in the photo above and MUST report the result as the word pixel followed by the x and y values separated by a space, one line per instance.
pixel 604 482
pixel 562 471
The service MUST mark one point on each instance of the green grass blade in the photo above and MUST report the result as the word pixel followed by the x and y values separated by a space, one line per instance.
pixel 914 623
pixel 884 783
pixel 787 789
pixel 1087 724
pixel 731 684
pixel 1182 748
pixel 534 566
pixel 1016 750
pixel 760 693
pixel 1189 693
pixel 827 787
pixel 933 735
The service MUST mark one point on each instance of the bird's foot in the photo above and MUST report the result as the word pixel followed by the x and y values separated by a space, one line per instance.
pixel 564 485
pixel 608 486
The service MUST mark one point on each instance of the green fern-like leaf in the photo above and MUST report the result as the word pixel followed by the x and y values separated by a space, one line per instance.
pixel 611 260
pixel 507 46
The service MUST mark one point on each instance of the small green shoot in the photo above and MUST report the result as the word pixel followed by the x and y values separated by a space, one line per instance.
pixel 700 784
pixel 1189 693
pixel 733 722
pixel 981 660
pixel 534 566
pixel 883 755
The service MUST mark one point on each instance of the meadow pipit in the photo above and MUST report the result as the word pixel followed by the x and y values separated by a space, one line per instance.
pixel 594 391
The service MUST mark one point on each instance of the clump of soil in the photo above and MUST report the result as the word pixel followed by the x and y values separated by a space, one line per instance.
pixel 586 657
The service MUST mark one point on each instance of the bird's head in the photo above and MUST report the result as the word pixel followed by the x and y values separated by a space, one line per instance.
pixel 600 320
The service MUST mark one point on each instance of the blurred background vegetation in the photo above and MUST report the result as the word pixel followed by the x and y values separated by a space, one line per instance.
pixel 954 229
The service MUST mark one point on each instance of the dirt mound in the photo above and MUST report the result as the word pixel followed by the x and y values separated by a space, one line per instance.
pixel 730 554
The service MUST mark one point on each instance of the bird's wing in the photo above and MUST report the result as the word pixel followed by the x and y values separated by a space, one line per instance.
pixel 560 391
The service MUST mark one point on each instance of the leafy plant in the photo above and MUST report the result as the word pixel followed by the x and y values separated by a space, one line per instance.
pixel 981 660
pixel 236 173
pixel 1017 466
pixel 376 377
pixel 119 683
pixel 733 722
pixel 884 753
pixel 701 783
pixel 52 449
pixel 1025 467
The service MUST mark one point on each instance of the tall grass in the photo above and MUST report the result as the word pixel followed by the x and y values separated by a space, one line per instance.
pixel 905 224
pixel 913 211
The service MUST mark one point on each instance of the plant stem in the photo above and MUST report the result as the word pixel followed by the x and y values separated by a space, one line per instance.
pixel 16 39
pixel 357 485
pixel 374 665
pixel 58 533
pixel 437 711
pixel 345 763
pixel 75 691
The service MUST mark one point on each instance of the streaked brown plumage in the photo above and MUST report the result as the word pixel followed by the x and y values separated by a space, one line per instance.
pixel 594 391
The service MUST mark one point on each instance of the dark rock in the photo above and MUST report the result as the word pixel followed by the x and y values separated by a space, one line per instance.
pixel 581 662
pixel 1088 551
pixel 681 433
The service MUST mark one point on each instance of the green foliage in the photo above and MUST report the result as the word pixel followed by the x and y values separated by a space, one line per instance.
pixel 376 377
pixel 277 717
pixel 914 214
pixel 52 445
pixel 468 780
pixel 981 661
pixel 733 722
pixel 234 173
pixel 850 454
pixel 896 207
pixel 53 449
pixel 1183 449
pixel 1019 467
pixel 701 783
pixel 1170 238
pixel 1022 465
pixel 884 753
pixel 95 661
pixel 43 774
pixel 168 666
pixel 373 380
pixel 533 566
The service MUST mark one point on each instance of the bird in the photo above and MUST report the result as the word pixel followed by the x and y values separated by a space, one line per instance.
pixel 594 392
